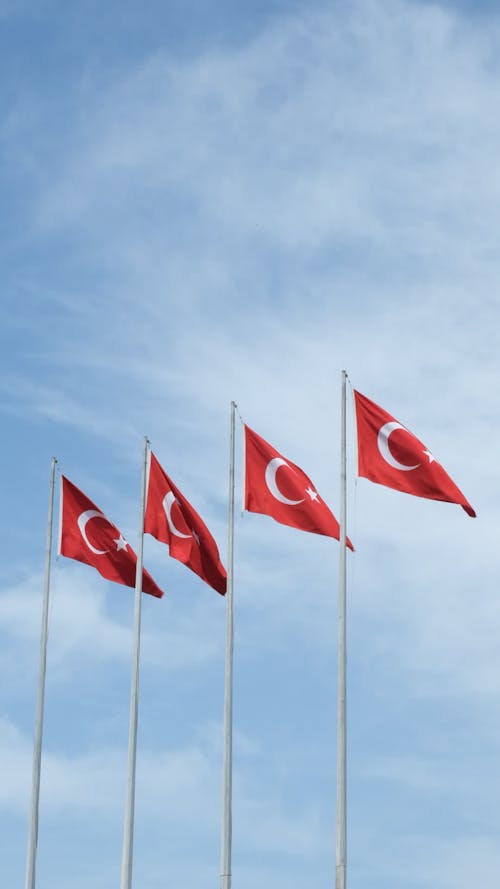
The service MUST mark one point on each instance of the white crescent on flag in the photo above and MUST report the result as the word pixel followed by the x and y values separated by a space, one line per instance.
pixel 270 475
pixel 168 502
pixel 383 436
pixel 82 520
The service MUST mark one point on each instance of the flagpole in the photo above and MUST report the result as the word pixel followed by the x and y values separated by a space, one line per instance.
pixel 225 862
pixel 340 844
pixel 37 745
pixel 128 829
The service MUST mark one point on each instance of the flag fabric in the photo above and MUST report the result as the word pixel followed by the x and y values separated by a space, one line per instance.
pixel 278 488
pixel 172 520
pixel 389 454
pixel 85 534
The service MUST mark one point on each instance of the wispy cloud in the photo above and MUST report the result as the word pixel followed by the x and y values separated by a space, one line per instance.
pixel 84 627
pixel 242 223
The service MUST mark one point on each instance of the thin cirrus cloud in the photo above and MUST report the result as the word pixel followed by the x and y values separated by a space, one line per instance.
pixel 241 222
pixel 168 123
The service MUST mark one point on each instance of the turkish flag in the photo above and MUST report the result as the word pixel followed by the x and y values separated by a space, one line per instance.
pixel 277 487
pixel 389 454
pixel 85 534
pixel 171 519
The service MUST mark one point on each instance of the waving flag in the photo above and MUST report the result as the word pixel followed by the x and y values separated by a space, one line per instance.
pixel 389 454
pixel 172 520
pixel 85 534
pixel 278 488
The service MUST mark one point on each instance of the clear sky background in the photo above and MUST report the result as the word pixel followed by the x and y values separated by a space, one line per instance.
pixel 206 201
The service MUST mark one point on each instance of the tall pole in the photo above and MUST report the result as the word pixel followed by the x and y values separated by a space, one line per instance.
pixel 227 768
pixel 128 829
pixel 340 844
pixel 37 745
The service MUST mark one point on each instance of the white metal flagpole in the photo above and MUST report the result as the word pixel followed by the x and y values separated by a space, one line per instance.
pixel 340 845
pixel 128 829
pixel 227 769
pixel 37 746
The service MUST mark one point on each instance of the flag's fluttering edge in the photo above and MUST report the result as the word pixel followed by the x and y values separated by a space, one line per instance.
pixel 172 520
pixel 278 488
pixel 85 534
pixel 389 454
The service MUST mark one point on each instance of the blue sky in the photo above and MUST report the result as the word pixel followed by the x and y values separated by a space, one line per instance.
pixel 215 201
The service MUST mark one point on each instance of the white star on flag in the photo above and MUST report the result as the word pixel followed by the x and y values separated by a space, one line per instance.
pixel 121 543
pixel 312 494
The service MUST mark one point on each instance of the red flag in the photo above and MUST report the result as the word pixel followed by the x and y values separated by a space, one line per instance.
pixel 278 488
pixel 87 535
pixel 172 520
pixel 389 454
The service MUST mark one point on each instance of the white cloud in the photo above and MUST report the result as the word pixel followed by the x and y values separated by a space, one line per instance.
pixel 81 627
pixel 177 790
pixel 242 225
pixel 94 781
